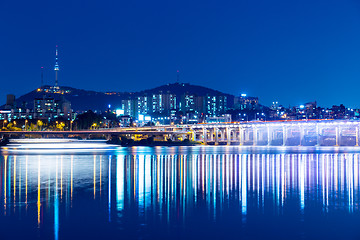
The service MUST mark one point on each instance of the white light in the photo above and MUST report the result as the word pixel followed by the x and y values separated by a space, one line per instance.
pixel 243 94
pixel 141 117
pixel 147 118
pixel 302 106
pixel 119 112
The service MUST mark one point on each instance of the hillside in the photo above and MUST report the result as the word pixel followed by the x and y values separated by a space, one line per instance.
pixel 82 100
pixel 182 88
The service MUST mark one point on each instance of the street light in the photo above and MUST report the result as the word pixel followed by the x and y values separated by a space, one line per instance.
pixel 5 121
pixel 26 121
pixel 264 116
pixel 247 117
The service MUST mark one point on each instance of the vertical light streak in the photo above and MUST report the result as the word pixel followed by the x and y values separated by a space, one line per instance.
pixel 5 178
pixel 109 189
pixel 133 172
pixel 185 186
pixel 262 181
pixel 203 174
pixel 258 179
pixel 356 175
pixel 19 186
pixel 26 182
pixel 282 177
pixel 194 171
pixel 317 175
pixel 158 179
pixel 277 178
pixel 350 172
pixel 38 196
pixel 94 173
pixel 208 184
pixel 323 179
pixel 336 177
pixel 100 160
pixel 273 174
pixel 61 176
pixel 71 178
pixel 227 174
pixel 147 181
pixel 141 189
pixel 56 199
pixel 120 182
pixel 169 182
pixel 244 184
pixel 328 180
pixel 14 175
pixel 214 185
pixel 302 183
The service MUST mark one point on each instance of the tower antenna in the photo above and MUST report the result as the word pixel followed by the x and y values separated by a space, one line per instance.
pixel 42 77
pixel 56 68
pixel 177 76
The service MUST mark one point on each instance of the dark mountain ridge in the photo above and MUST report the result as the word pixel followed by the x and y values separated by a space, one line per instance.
pixel 82 100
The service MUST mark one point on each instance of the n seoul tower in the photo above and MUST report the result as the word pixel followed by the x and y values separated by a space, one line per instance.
pixel 56 68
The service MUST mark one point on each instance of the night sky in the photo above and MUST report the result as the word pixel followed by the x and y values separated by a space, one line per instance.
pixel 290 51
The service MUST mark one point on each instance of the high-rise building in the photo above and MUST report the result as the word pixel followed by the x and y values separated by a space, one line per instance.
pixel 45 107
pixel 244 102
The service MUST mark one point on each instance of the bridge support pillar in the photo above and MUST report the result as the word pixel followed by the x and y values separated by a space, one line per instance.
pixel 204 135
pixel 285 133
pixel 318 135
pixel 193 135
pixel 255 136
pixel 337 137
pixel 301 130
pixel 241 135
pixel 357 136
pixel 269 138
pixel 216 131
pixel 228 136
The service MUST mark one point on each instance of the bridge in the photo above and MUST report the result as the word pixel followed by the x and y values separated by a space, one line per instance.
pixel 277 133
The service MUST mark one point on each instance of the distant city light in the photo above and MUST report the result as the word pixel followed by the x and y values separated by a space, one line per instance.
pixel 141 117
pixel 243 94
pixel 119 112
pixel 147 118
pixel 302 106
pixel 109 105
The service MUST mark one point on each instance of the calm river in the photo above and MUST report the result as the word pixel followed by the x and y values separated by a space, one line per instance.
pixel 201 192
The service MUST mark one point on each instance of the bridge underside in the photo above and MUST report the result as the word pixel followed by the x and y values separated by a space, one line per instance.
pixel 284 134
pixel 312 133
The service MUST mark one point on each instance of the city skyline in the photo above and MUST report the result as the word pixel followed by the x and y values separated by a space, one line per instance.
pixel 295 52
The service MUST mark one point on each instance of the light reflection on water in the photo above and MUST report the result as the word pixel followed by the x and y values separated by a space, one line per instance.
pixel 178 192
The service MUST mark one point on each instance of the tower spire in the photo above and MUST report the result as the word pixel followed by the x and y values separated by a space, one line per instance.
pixel 56 68
pixel 42 77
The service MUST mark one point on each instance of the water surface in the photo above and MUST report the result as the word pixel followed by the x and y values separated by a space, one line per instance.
pixel 180 192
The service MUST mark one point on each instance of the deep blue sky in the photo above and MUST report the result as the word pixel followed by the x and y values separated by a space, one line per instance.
pixel 289 51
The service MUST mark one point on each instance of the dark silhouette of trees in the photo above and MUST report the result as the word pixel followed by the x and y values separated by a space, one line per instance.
pixel 87 120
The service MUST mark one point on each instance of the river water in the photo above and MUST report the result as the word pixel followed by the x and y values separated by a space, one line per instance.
pixel 213 192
